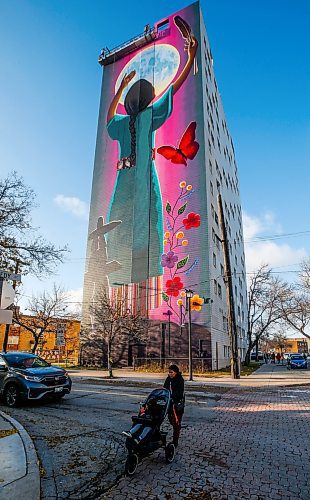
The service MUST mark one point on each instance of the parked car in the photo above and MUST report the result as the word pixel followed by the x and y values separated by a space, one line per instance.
pixel 297 361
pixel 260 356
pixel 27 377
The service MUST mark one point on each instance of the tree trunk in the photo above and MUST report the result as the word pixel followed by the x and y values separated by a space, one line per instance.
pixel 35 345
pixel 110 361
pixel 247 358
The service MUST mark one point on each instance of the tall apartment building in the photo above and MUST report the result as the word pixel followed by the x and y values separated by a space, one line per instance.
pixel 163 154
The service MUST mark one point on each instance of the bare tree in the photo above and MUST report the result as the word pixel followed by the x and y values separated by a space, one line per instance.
pixel 296 309
pixel 19 241
pixel 113 324
pixel 46 311
pixel 304 275
pixel 265 297
pixel 278 341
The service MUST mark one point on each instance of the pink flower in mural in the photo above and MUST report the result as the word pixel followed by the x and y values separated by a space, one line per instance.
pixel 192 220
pixel 169 259
pixel 174 286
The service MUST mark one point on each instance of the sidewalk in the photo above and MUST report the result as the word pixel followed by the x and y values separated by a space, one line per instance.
pixel 19 471
pixel 267 375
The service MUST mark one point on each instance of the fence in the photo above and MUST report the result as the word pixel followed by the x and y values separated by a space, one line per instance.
pixel 200 365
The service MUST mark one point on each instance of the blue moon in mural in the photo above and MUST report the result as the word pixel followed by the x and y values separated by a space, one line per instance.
pixel 158 67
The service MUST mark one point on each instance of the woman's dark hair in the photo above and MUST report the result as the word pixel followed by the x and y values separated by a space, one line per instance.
pixel 174 368
pixel 138 97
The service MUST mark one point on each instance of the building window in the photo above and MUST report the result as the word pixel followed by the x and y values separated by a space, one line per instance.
pixel 215 287
pixel 211 187
pixel 214 259
pixel 210 164
pixel 219 290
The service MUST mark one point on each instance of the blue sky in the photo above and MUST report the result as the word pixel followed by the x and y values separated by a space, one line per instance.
pixel 49 101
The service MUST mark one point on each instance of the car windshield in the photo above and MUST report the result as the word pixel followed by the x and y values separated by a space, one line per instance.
pixel 25 361
pixel 297 356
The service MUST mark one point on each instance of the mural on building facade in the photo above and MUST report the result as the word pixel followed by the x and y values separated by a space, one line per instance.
pixel 148 172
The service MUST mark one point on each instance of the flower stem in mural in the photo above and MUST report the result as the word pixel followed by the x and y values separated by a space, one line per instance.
pixel 178 222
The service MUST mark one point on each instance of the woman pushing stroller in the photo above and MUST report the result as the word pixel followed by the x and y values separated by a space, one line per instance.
pixel 175 384
pixel 145 435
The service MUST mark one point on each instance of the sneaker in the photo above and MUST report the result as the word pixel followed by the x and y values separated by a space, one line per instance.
pixel 127 434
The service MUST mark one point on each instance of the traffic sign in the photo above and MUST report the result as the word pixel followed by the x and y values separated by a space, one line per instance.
pixel 60 334
pixel 6 275
pixel 6 317
pixel 7 295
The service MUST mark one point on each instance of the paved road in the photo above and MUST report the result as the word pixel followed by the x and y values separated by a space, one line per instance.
pixel 79 440
pixel 251 443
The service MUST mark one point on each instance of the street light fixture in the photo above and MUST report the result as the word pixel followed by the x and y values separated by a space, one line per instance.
pixel 189 295
pixel 169 314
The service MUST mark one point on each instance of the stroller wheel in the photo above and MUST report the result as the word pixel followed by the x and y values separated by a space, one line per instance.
pixel 131 464
pixel 170 453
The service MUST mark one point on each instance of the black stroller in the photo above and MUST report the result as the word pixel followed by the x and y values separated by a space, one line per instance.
pixel 145 435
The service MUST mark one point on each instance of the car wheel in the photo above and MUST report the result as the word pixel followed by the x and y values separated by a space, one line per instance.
pixel 131 464
pixel 170 453
pixel 11 395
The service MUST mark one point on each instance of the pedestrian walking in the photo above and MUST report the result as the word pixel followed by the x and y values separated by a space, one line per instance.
pixel 175 384
pixel 278 356
pixel 273 358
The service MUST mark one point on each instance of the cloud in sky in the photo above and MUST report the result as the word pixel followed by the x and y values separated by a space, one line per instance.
pixel 72 205
pixel 75 298
pixel 267 251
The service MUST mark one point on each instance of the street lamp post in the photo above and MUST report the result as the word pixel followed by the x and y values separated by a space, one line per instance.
pixel 169 314
pixel 189 296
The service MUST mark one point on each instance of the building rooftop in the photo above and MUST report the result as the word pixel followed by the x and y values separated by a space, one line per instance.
pixel 110 56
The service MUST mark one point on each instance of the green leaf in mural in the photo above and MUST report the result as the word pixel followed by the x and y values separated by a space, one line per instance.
pixel 182 208
pixel 165 297
pixel 168 207
pixel 182 262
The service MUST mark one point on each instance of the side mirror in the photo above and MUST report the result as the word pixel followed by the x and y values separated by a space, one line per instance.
pixel 3 368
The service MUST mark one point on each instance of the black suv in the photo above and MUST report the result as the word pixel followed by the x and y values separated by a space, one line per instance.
pixel 26 377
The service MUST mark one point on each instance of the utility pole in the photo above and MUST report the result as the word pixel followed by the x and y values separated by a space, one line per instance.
pixel 162 345
pixel 234 363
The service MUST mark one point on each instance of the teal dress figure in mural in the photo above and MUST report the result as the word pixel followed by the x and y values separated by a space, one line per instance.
pixel 137 243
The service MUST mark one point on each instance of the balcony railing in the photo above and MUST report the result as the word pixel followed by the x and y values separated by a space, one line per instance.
pixel 110 56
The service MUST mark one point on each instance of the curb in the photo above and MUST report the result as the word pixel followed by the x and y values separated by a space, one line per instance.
pixel 27 486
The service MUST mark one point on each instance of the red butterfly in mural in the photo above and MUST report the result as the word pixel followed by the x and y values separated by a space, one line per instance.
pixel 186 150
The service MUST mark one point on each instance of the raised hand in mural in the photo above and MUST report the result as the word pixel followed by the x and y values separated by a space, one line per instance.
pixel 125 81
pixel 127 78
pixel 191 43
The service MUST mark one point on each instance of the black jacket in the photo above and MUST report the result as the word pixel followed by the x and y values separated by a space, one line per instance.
pixel 176 386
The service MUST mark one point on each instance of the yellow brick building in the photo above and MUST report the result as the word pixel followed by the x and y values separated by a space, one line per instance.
pixel 300 345
pixel 20 339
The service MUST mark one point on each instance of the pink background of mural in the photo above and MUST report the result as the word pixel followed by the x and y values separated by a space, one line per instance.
pixel 187 107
